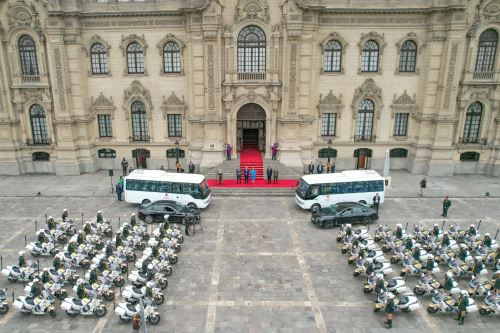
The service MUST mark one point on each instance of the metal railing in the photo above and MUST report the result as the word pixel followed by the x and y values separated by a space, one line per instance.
pixel 260 76
pixel 483 75
pixel 364 138
pixel 468 140
pixel 140 138
pixel 38 142
pixel 30 79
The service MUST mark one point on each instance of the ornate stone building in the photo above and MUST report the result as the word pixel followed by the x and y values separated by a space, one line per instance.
pixel 86 82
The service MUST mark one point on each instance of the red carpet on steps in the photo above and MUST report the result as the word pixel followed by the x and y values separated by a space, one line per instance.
pixel 259 183
pixel 252 158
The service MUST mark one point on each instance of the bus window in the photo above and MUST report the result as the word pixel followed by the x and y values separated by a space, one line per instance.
pixel 313 191
pixel 153 186
pixel 376 186
pixel 302 188
pixel 162 187
pixel 176 188
pixel 344 188
pixel 328 189
pixel 359 187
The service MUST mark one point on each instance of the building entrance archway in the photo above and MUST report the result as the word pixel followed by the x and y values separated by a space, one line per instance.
pixel 251 127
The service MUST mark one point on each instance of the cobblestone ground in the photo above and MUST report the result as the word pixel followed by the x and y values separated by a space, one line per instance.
pixel 259 265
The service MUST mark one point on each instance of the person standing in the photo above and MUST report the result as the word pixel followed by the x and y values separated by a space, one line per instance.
pixel 219 176
pixel 423 185
pixel 376 202
pixel 230 152
pixel 462 307
pixel 124 166
pixel 319 168
pixel 136 322
pixel 446 206
pixel 269 173
pixel 310 168
pixel 238 176
pixel 187 225
pixel 253 175
pixel 333 167
pixel 246 173
pixel 274 151
pixel 119 191
pixel 191 167
pixel 121 181
pixel 389 311
pixel 275 175
pixel 328 167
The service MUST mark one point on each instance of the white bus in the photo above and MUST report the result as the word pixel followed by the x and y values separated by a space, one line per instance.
pixel 324 190
pixel 144 186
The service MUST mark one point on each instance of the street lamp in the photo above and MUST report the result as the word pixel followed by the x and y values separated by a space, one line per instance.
pixel 329 149
pixel 176 151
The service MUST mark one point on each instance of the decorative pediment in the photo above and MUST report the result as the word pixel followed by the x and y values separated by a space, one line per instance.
pixel 334 36
pixel 23 15
pixel 173 104
pixel 330 103
pixel 100 104
pixel 133 38
pixel 404 99
pixel 487 11
pixel 368 90
pixel 404 103
pixel 93 40
pixel 372 35
pixel 252 10
pixel 136 92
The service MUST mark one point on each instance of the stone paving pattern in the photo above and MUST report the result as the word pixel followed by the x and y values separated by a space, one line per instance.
pixel 259 265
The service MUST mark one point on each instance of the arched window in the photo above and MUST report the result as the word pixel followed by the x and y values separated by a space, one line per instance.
pixel 251 50
pixel 486 50
pixel 99 59
pixel 39 125
pixel 370 56
pixel 332 57
pixel 408 56
pixel 472 123
pixel 364 123
pixel 135 58
pixel 171 58
pixel 139 122
pixel 27 52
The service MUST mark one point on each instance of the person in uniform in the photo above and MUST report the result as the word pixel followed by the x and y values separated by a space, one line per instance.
pixel 80 239
pixel 93 275
pixel 118 240
pixel 149 290
pixel 125 231
pixel 409 243
pixel 416 252
pixel 472 230
pixel 80 290
pixel 99 217
pixel 108 250
pixel 487 241
pixel 448 283
pixel 56 263
pixel 369 269
pixel 478 266
pixel 380 286
pixel 399 231
pixel 42 238
pixel 64 215
pixel 154 251
pixel 463 253
pixel 71 247
pixel 22 261
pixel 87 228
pixel 496 282
pixel 429 266
pixel 446 206
pixel 102 266
pixel 133 220
pixel 187 225
pixel 462 307
pixel 445 242
pixel 45 277
pixel 51 224
pixel 436 231
pixel 36 289
pixel 389 311
pixel 144 266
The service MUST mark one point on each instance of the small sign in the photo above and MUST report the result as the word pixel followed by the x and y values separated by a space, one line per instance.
pixel 107 153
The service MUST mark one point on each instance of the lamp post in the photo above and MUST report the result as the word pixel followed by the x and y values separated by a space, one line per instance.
pixel 329 149
pixel 176 151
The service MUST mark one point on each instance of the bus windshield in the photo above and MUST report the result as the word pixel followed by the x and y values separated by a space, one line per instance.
pixel 205 191
pixel 302 188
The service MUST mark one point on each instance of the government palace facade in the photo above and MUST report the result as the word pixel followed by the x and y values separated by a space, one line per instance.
pixel 85 83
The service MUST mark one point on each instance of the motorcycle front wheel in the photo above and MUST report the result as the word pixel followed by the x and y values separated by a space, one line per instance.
pixel 484 312
pixel 154 319
pixel 431 309
pixel 101 311
pixel 109 296
pixel 108 233
pixel 71 232
pixel 4 309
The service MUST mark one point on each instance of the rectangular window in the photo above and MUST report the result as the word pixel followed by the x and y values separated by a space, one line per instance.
pixel 401 124
pixel 328 124
pixel 174 125
pixel 104 121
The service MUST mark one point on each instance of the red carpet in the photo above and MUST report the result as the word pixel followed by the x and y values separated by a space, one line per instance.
pixel 259 183
pixel 252 158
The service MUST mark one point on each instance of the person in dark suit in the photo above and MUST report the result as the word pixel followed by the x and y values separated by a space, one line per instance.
pixel 319 168
pixel 269 174
pixel 376 201
pixel 275 175
pixel 246 173
pixel 310 168
pixel 191 167
pixel 238 176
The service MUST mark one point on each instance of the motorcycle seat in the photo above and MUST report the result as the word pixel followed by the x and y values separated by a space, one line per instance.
pixel 137 290
pixel 77 301
pixel 16 269
pixel 131 307
pixel 403 300
pixel 143 275
pixel 29 300
pixel 391 283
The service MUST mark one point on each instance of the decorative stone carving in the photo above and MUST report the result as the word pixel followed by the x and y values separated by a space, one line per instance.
pixel 93 40
pixel 102 104
pixel 404 104
pixel 292 85
pixel 330 104
pixel 22 14
pixel 450 76
pixel 211 78
pixel 173 104
pixel 372 35
pixel 252 10
pixel 368 90
pixel 136 92
pixel 492 9
pixel 133 38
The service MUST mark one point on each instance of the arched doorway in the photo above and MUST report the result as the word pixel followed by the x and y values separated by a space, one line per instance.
pixel 363 158
pixel 141 155
pixel 251 127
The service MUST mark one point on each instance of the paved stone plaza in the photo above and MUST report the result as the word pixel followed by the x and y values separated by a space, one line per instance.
pixel 259 265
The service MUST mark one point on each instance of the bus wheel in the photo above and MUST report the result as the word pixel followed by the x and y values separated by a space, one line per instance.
pixel 315 207
pixel 145 201
pixel 363 202
pixel 192 205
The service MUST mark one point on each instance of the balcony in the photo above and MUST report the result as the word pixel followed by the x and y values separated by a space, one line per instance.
pixel 30 79
pixel 39 142
pixel 364 138
pixel 139 138
pixel 481 77
pixel 250 76
pixel 472 140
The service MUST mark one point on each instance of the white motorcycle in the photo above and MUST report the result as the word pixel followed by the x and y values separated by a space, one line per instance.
pixel 160 266
pixel 86 307
pixel 373 254
pixel 395 285
pixel 27 304
pixel 449 305
pixel 63 275
pixel 4 307
pixel 54 289
pixel 127 311
pixel 67 226
pixel 41 249
pixel 479 287
pixel 133 294
pixel 96 290
pixel 15 273
pixel 139 279
pixel 380 267
pixel 406 303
